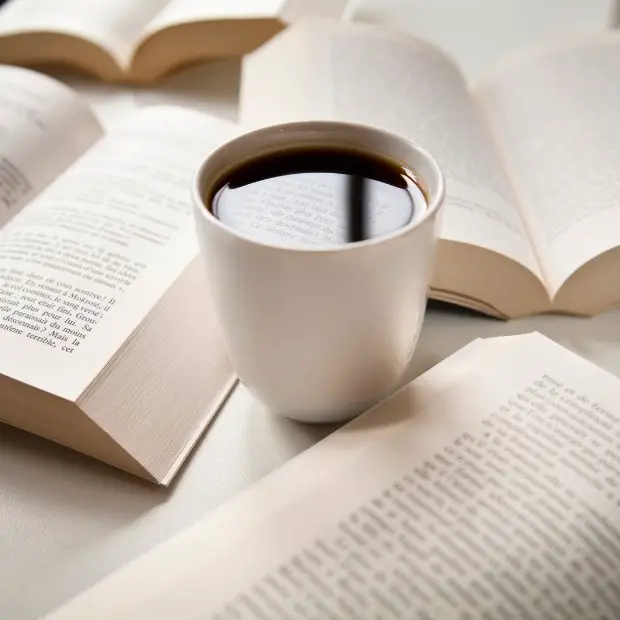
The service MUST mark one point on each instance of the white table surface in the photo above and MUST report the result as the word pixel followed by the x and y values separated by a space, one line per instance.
pixel 67 521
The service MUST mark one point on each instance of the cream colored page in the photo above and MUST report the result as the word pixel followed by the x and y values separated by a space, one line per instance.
pixel 187 11
pixel 477 491
pixel 113 25
pixel 136 588
pixel 44 127
pixel 81 267
pixel 556 117
pixel 364 74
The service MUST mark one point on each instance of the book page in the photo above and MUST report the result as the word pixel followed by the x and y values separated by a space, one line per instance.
pixel 113 25
pixel 487 488
pixel 365 74
pixel 187 31
pixel 81 267
pixel 187 11
pixel 179 12
pixel 555 114
pixel 44 127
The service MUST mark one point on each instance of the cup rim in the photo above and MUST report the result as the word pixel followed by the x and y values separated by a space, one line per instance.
pixel 431 208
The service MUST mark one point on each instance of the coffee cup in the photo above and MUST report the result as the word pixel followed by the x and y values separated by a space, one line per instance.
pixel 319 334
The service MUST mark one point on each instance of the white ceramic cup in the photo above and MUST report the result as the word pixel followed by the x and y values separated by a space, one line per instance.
pixel 319 334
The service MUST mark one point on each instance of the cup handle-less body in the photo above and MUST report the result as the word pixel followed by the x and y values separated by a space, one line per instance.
pixel 320 335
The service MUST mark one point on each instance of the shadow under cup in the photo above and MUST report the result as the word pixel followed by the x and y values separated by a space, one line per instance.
pixel 319 334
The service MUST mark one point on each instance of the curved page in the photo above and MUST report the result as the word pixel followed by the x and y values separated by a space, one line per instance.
pixel 112 25
pixel 468 494
pixel 188 11
pixel 86 261
pixel 44 127
pixel 555 114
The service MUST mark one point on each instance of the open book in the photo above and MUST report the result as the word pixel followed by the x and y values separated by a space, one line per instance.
pixel 140 40
pixel 107 342
pixel 487 488
pixel 530 156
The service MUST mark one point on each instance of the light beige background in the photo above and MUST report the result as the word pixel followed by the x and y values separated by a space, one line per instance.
pixel 66 521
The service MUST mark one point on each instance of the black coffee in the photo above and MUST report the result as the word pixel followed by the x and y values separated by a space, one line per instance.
pixel 317 197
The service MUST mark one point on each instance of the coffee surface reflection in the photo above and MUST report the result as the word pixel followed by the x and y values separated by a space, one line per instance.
pixel 320 197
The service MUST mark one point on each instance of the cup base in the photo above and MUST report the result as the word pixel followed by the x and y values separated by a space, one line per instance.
pixel 319 419
pixel 338 416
